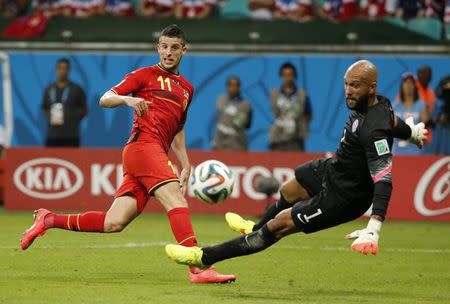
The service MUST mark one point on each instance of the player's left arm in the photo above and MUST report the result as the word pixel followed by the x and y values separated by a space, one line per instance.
pixel 378 146
pixel 407 130
pixel 179 148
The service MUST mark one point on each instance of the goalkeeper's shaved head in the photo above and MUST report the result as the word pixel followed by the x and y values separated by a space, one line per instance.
pixel 361 85
pixel 365 69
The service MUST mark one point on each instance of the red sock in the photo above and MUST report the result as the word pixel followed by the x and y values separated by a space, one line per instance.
pixel 89 222
pixel 180 223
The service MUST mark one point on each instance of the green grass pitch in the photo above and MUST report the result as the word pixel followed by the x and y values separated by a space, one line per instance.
pixel 413 266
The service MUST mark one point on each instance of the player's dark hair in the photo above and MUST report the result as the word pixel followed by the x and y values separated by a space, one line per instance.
pixel 63 60
pixel 288 65
pixel 231 78
pixel 416 92
pixel 173 31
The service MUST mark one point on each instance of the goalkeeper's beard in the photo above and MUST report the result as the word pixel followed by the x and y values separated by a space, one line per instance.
pixel 361 103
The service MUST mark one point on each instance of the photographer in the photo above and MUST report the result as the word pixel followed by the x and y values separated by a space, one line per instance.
pixel 441 118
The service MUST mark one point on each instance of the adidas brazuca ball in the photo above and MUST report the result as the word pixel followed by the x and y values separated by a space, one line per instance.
pixel 212 181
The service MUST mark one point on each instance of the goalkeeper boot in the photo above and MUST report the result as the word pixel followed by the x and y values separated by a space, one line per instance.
pixel 37 229
pixel 238 224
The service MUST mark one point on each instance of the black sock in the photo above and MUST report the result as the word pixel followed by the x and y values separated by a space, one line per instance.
pixel 272 211
pixel 244 245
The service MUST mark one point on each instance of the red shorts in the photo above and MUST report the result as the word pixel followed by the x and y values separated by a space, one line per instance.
pixel 145 167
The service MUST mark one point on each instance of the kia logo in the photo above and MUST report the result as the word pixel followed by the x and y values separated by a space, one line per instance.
pixel 48 178
pixel 440 191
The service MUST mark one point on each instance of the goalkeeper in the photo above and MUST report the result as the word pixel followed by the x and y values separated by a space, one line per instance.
pixel 328 192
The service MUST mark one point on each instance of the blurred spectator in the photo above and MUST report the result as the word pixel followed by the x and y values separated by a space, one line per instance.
pixel 261 9
pixel 296 10
pixel 2 141
pixel 447 13
pixel 432 8
pixel 194 9
pixel 424 75
pixel 292 110
pixel 14 8
pixel 117 8
pixel 377 9
pixel 441 116
pixel 158 8
pixel 48 8
pixel 234 115
pixel 64 104
pixel 409 9
pixel 341 10
pixel 406 106
pixel 85 8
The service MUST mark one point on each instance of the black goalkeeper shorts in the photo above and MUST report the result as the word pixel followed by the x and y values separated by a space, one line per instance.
pixel 324 208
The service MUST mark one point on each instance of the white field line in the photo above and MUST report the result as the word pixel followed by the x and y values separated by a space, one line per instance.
pixel 161 244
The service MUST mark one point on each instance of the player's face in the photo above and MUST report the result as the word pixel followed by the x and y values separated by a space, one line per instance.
pixel 408 87
pixel 170 50
pixel 233 87
pixel 288 76
pixel 62 71
pixel 357 91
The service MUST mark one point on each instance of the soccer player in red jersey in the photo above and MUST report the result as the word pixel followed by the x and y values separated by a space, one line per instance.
pixel 160 99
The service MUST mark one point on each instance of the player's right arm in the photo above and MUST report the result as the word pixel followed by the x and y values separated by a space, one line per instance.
pixel 378 147
pixel 111 100
pixel 118 95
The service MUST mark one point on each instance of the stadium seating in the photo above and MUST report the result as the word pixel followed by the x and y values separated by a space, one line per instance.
pixel 447 32
pixel 235 9
pixel 395 21
pixel 426 26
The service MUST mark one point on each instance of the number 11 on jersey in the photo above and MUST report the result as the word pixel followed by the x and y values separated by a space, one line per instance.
pixel 165 80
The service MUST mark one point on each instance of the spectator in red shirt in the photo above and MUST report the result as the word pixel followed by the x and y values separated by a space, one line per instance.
pixel 447 13
pixel 194 9
pixel 341 10
pixel 158 8
pixel 261 9
pixel 377 9
pixel 296 10
pixel 432 8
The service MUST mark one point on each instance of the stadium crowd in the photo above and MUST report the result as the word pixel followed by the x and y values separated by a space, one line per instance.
pixel 297 10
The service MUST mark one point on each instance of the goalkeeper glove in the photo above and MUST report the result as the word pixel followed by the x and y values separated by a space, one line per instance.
pixel 366 240
pixel 418 132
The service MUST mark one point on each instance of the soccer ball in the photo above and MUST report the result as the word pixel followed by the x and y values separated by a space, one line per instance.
pixel 212 181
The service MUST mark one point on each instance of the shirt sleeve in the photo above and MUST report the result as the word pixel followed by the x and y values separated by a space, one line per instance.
pixel 131 83
pixel 378 149
pixel 308 107
pixel 81 97
pixel 46 100
pixel 400 129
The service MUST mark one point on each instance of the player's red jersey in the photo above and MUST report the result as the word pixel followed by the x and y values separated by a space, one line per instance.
pixel 170 96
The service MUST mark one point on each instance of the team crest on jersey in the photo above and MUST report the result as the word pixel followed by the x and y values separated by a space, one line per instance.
pixel 186 94
pixel 355 125
pixel 382 147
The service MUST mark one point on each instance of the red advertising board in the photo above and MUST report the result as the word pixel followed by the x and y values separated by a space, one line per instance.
pixel 85 179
